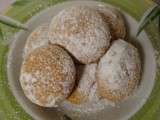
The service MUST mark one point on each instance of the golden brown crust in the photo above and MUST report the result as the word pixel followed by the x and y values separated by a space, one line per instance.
pixel 77 97
pixel 47 74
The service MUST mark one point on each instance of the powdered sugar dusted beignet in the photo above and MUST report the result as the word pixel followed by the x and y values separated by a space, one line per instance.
pixel 82 31
pixel 38 38
pixel 115 21
pixel 47 75
pixel 118 71
pixel 86 82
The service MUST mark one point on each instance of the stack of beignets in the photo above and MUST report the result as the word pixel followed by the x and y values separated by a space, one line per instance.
pixel 108 67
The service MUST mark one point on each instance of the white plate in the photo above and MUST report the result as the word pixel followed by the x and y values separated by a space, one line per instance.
pixel 124 110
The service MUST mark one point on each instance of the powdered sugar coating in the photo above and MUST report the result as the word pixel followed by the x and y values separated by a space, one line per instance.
pixel 115 21
pixel 119 71
pixel 47 75
pixel 86 80
pixel 38 38
pixel 84 99
pixel 82 31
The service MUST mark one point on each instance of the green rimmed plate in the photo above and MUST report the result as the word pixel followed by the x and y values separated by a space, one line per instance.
pixel 11 110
